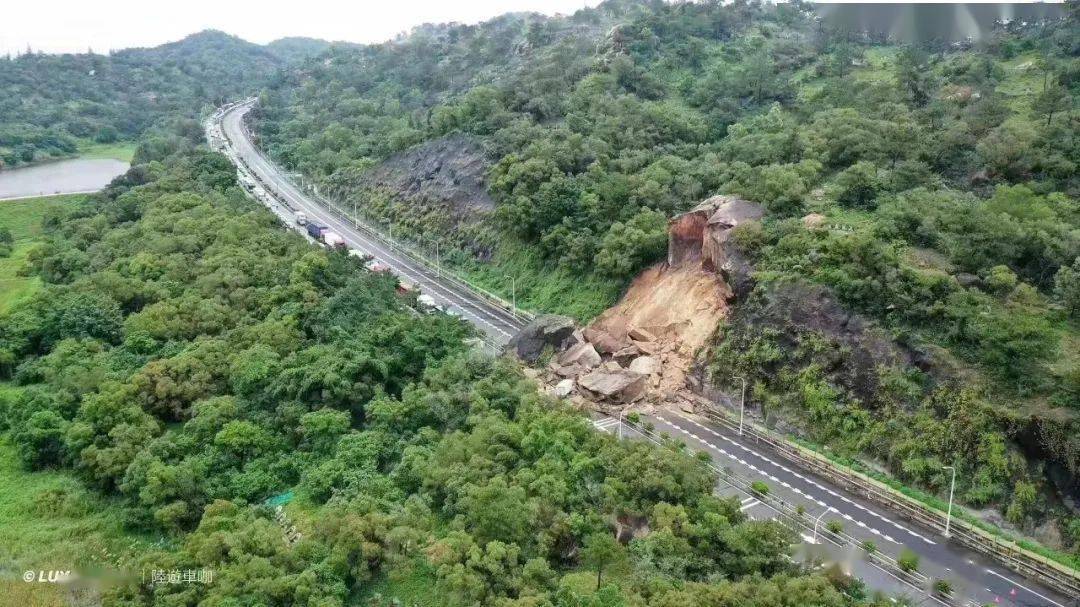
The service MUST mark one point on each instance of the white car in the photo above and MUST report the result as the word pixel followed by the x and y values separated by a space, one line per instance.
pixel 301 219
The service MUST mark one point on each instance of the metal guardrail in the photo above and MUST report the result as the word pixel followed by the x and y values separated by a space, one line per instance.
pixel 789 516
pixel 444 271
pixel 1032 565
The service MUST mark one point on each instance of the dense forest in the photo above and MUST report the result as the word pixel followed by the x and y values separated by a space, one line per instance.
pixel 941 181
pixel 52 102
pixel 189 358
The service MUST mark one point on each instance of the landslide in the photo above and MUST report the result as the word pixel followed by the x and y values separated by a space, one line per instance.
pixel 644 346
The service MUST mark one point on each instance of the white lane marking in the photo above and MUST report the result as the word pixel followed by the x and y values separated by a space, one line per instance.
pixel 1045 598
pixel 747 506
pixel 773 478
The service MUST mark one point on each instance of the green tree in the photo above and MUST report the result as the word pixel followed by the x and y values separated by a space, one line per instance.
pixel 1067 287
pixel 858 185
pixel 1051 100
pixel 601 551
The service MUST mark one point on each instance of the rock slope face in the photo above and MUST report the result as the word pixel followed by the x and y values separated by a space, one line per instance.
pixel 450 171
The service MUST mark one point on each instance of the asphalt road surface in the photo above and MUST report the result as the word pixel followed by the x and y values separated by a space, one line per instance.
pixel 976 580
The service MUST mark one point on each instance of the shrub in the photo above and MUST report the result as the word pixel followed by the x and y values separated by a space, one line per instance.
pixel 858 185
pixel 1000 280
pixel 759 488
pixel 908 561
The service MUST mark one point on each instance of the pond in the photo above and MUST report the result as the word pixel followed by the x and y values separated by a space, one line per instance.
pixel 60 177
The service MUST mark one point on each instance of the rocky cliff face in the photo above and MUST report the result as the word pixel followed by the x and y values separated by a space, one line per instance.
pixel 436 187
pixel 702 233
pixel 450 171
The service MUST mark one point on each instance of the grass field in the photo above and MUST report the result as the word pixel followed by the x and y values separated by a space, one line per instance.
pixel 23 218
pixel 414 587
pixel 49 520
pixel 121 150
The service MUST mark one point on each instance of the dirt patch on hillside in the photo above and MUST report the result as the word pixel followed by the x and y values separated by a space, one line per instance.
pixel 682 305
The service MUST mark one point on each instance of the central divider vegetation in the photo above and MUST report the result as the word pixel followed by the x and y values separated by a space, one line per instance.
pixel 187 359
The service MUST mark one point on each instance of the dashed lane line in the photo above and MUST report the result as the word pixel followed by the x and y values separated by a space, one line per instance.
pixel 810 481
pixel 754 468
pixel 995 573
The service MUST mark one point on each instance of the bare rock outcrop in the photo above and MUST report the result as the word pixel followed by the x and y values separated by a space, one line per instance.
pixel 702 232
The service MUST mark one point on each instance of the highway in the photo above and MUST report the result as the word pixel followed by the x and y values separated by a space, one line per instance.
pixel 496 323
pixel 976 580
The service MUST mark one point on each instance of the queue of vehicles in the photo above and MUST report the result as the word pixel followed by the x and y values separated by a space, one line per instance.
pixel 332 240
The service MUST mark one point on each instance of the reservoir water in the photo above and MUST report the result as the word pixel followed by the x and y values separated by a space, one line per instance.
pixel 60 177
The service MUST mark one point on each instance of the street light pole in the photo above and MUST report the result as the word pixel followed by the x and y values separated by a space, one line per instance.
pixel 818 520
pixel 621 413
pixel 513 299
pixel 438 265
pixel 952 489
pixel 742 403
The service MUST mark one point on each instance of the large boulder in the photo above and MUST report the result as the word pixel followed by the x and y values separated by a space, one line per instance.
pixel 639 334
pixel 564 388
pixel 619 386
pixel 583 354
pixel 627 354
pixel 546 330
pixel 604 342
pixel 646 365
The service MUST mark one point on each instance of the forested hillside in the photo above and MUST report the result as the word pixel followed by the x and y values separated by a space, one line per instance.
pixel 930 190
pixel 188 359
pixel 49 103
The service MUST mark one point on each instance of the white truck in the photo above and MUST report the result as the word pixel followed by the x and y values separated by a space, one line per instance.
pixel 333 240
pixel 427 303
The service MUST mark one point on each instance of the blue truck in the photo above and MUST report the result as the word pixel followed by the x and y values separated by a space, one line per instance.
pixel 315 230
